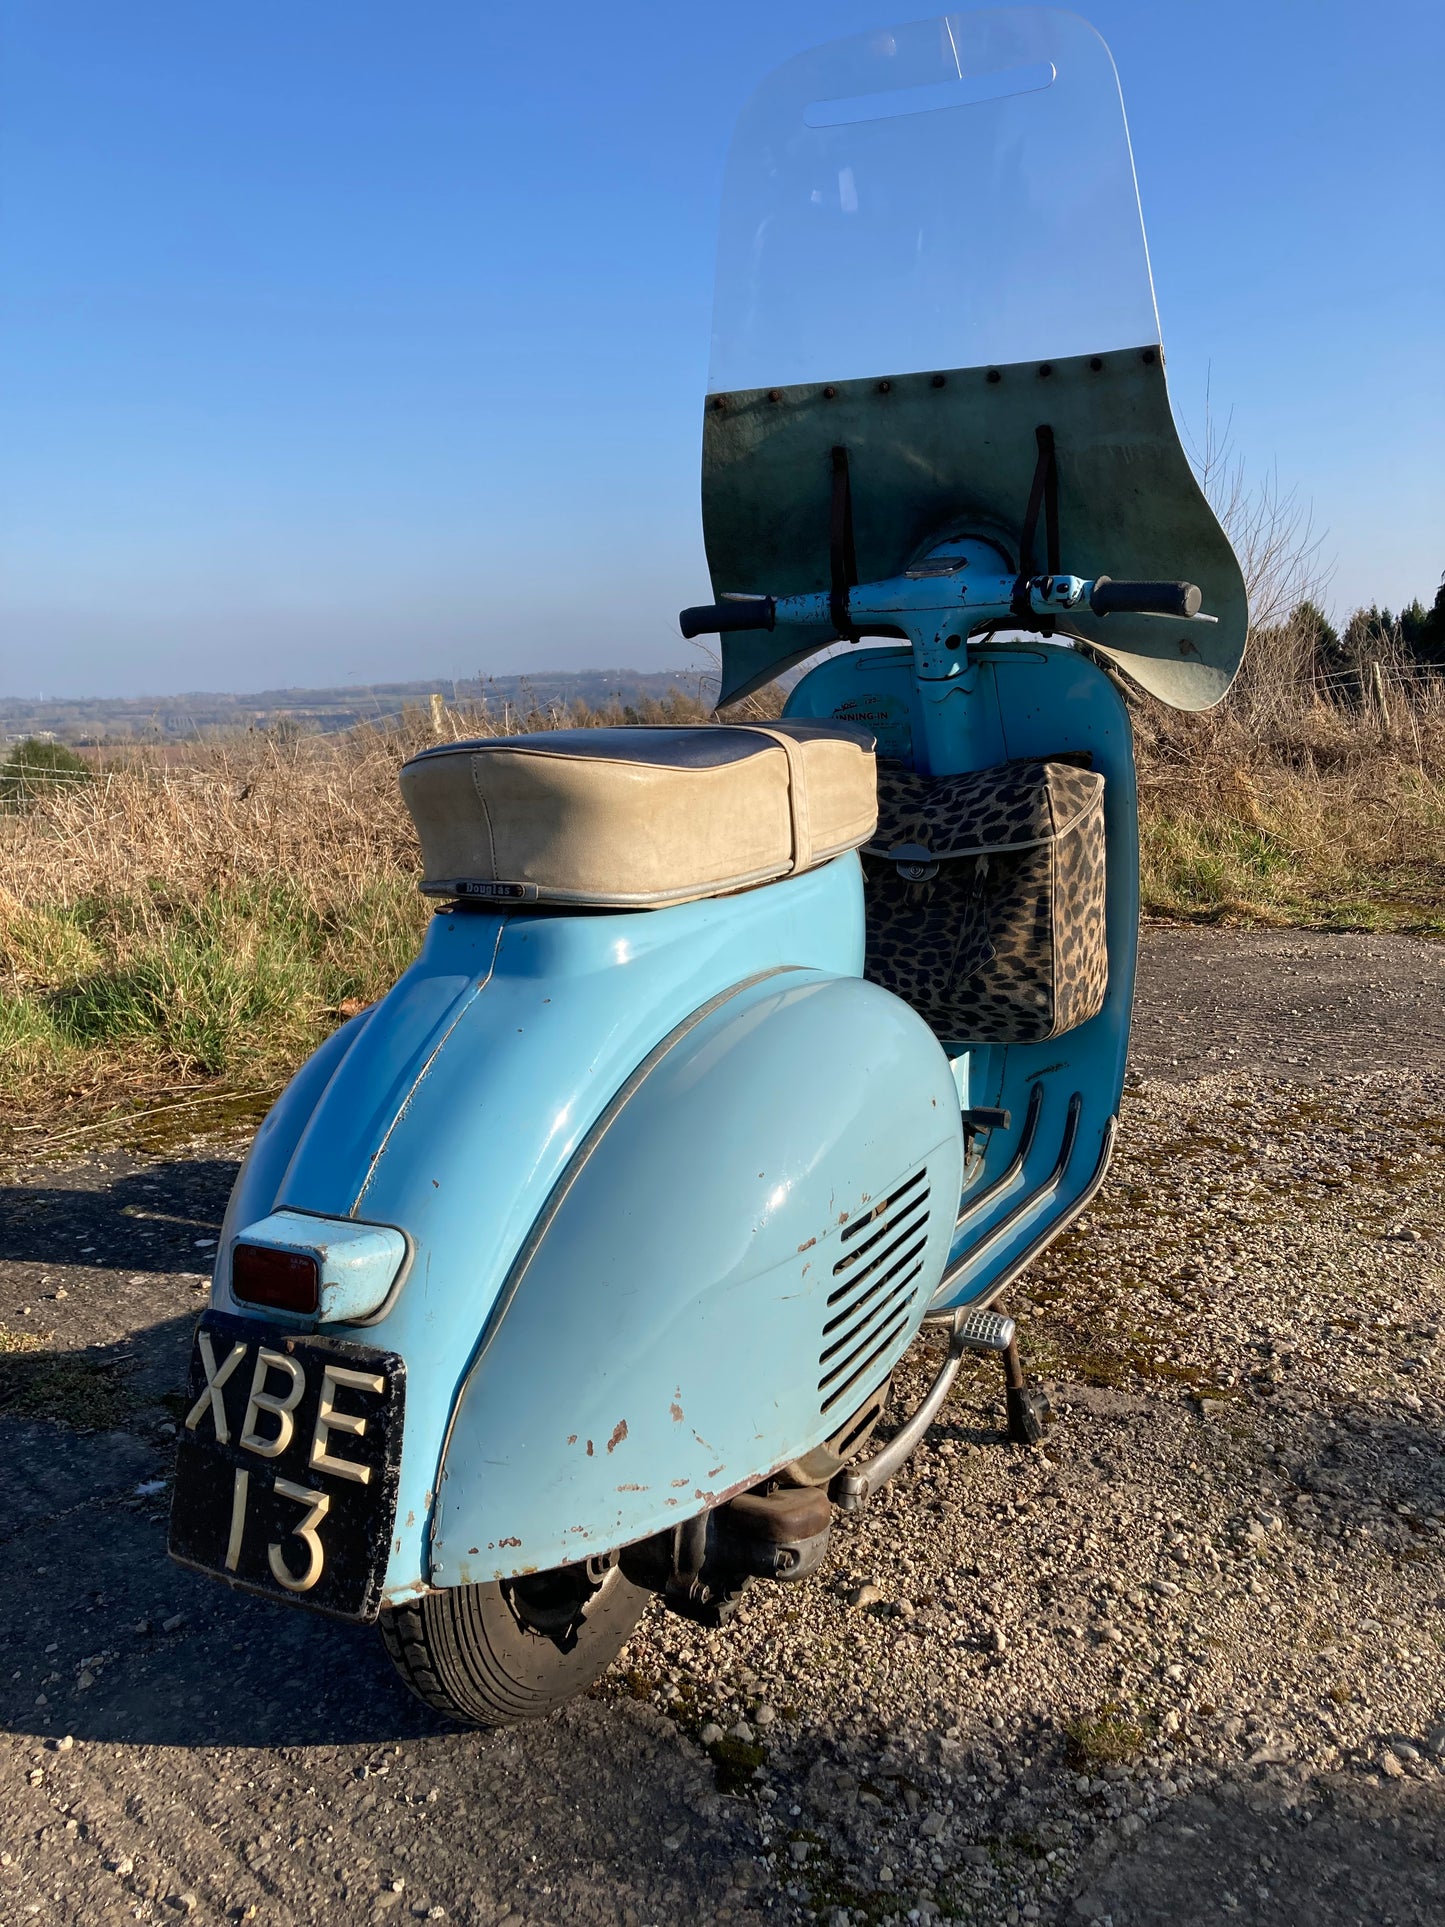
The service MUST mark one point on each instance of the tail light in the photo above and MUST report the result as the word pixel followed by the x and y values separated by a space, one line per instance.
pixel 285 1280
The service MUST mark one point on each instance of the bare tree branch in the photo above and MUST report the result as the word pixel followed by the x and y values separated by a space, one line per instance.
pixel 1272 529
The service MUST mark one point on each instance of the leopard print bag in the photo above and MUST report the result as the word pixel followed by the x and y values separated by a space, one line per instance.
pixel 985 899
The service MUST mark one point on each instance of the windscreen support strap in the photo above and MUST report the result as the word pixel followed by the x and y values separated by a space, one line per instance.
pixel 1043 494
pixel 842 557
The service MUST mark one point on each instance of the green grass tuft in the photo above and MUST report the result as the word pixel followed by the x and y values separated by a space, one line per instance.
pixel 1111 1736
pixel 239 985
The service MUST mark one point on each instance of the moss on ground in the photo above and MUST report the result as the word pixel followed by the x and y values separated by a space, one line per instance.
pixel 36 1383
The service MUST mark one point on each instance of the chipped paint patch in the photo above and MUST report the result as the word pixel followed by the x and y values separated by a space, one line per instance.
pixel 808 1245
pixel 397 1595
pixel 619 1433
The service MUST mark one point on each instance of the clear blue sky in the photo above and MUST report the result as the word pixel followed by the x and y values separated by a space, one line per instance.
pixel 344 342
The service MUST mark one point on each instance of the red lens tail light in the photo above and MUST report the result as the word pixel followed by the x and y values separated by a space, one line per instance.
pixel 289 1280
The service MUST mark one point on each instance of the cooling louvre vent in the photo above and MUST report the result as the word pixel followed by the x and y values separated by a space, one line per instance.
pixel 875 1283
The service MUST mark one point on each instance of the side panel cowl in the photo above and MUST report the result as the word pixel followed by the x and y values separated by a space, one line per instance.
pixel 737 1255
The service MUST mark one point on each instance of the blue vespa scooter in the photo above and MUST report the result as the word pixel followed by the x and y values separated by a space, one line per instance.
pixel 576 1270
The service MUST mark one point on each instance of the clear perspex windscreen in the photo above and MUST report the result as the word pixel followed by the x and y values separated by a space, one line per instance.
pixel 947 194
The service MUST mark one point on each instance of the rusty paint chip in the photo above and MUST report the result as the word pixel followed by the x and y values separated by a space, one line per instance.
pixel 619 1433
pixel 571 1438
pixel 809 1245
pixel 509 1542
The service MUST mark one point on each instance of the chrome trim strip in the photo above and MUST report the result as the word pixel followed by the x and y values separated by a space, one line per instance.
pixel 971 1206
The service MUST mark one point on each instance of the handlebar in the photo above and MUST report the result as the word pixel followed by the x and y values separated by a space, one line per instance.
pixel 720 618
pixel 1107 598
pixel 929 598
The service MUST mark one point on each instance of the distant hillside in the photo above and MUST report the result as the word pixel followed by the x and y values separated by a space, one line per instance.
pixel 133 719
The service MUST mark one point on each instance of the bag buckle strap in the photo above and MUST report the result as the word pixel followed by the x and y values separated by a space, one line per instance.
pixel 913 862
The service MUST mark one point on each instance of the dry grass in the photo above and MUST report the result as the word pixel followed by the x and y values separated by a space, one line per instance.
pixel 177 921
pixel 196 921
pixel 1297 802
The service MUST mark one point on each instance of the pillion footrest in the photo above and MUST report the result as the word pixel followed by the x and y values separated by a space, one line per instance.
pixel 985 1331
pixel 973 1331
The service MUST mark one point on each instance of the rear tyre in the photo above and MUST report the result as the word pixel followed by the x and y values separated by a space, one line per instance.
pixel 517 1649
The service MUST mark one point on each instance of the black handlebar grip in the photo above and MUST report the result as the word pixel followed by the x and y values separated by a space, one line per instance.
pixel 1108 597
pixel 719 618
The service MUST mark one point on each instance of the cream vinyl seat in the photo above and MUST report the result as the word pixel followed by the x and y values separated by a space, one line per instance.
pixel 638 817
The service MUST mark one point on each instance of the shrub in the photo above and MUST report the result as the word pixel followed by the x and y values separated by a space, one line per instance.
pixel 35 767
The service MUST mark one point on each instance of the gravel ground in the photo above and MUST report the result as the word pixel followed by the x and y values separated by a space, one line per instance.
pixel 1183 1663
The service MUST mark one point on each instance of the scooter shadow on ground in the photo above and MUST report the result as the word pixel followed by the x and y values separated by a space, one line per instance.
pixel 113 1642
pixel 1361 1850
pixel 147 1219
pixel 176 1661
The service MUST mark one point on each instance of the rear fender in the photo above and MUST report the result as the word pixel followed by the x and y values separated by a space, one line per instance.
pixel 451 1109
pixel 263 1169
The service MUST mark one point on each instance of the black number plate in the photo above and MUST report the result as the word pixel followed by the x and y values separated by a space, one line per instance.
pixel 287 1469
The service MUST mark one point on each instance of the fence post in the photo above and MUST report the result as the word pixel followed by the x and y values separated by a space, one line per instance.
pixel 1378 682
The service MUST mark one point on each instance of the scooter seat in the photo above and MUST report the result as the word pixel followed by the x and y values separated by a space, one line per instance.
pixel 638 817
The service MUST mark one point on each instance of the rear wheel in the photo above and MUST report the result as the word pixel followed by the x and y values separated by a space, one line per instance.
pixel 515 1649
